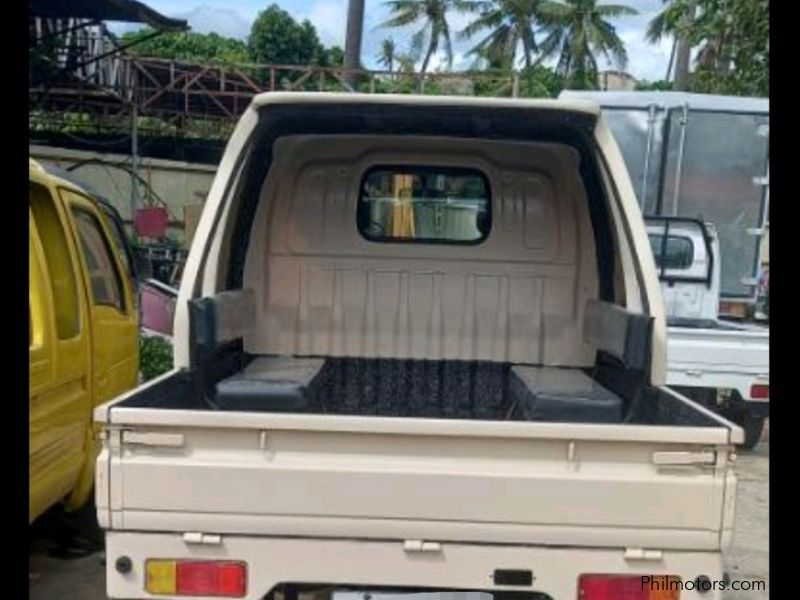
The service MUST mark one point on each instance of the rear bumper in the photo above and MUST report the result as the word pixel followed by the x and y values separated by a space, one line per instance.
pixel 758 408
pixel 387 564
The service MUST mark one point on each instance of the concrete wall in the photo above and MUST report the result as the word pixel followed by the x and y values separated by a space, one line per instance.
pixel 616 81
pixel 179 184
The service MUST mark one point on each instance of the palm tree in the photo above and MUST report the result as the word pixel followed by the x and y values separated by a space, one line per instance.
pixel 352 41
pixel 578 30
pixel 510 23
pixel 388 54
pixel 674 20
pixel 435 29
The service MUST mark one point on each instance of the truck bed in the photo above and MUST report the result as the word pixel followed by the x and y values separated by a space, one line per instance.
pixel 493 481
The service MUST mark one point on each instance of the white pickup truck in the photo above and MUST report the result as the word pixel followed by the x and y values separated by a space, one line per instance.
pixel 420 345
pixel 721 364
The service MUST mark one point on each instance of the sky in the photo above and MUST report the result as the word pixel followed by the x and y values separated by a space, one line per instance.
pixel 234 17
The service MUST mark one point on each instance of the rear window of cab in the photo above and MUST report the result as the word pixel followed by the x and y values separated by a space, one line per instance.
pixel 425 205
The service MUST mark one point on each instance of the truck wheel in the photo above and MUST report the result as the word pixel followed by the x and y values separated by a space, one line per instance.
pixel 86 526
pixel 753 426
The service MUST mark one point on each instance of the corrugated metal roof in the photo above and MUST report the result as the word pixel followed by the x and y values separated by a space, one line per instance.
pixel 129 11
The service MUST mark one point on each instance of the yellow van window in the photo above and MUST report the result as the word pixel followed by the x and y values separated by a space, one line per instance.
pixel 59 262
pixel 105 278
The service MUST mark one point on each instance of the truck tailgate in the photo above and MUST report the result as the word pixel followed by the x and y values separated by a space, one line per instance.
pixel 196 471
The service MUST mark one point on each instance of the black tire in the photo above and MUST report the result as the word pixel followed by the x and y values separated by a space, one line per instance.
pixel 753 427
pixel 86 526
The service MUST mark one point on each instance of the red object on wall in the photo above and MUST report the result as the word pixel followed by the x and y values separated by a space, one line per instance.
pixel 152 222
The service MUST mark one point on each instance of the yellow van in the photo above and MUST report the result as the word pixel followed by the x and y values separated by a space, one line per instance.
pixel 84 345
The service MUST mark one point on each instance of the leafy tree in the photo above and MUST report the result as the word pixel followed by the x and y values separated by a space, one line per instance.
pixel 276 38
pixel 654 86
pixel 539 81
pixel 579 30
pixel 186 46
pixel 510 24
pixel 435 30
pixel 734 40
pixel 334 57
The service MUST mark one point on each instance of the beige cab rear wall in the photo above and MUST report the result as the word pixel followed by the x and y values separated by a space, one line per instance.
pixel 322 289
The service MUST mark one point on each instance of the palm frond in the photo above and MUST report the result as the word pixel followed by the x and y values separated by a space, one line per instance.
pixel 417 42
pixel 612 11
pixel 486 20
pixel 448 43
pixel 657 28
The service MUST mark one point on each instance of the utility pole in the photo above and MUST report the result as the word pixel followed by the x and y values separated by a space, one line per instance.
pixel 134 164
pixel 352 42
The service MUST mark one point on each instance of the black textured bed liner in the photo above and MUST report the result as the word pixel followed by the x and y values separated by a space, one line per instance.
pixel 413 388
pixel 376 387
pixel 417 388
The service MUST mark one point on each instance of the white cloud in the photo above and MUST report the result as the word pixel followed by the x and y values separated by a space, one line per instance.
pixel 329 17
pixel 645 60
pixel 224 21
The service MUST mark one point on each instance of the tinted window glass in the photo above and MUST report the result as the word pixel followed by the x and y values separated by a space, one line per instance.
pixel 106 281
pixel 424 205
pixel 678 254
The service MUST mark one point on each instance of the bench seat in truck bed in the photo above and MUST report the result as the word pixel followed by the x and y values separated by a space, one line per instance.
pixel 562 395
pixel 270 384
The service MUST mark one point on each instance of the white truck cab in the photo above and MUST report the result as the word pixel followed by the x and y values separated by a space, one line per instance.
pixel 420 345
pixel 686 252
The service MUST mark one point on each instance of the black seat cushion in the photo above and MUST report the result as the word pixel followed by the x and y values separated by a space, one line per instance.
pixel 270 384
pixel 562 395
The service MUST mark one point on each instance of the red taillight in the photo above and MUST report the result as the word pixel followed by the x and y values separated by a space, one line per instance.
pixel 759 390
pixel 211 578
pixel 628 587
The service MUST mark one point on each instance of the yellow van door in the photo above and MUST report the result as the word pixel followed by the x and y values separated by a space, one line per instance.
pixel 114 320
pixel 59 372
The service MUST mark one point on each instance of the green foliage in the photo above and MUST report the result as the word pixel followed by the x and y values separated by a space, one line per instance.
pixel 654 86
pixel 541 82
pixel 510 24
pixel 735 39
pixel 577 32
pixel 334 56
pixel 387 57
pixel 155 356
pixel 277 38
pixel 434 29
pixel 189 46
pixel 537 81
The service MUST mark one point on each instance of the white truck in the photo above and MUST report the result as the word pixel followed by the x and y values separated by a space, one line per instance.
pixel 420 345
pixel 721 364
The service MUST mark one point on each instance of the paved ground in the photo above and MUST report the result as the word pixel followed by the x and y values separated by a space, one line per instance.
pixel 748 559
pixel 59 573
